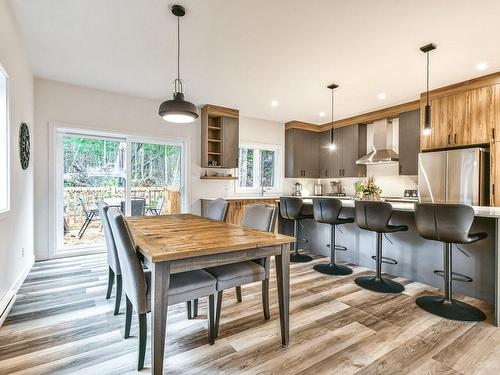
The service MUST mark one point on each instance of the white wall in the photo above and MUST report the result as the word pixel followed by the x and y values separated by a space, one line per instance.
pixel 16 230
pixel 99 110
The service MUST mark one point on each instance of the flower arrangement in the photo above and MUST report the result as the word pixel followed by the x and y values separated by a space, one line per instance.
pixel 367 190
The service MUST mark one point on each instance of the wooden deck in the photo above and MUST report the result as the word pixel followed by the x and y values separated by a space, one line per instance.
pixel 62 324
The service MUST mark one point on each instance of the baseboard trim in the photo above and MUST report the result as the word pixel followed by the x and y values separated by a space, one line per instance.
pixel 9 298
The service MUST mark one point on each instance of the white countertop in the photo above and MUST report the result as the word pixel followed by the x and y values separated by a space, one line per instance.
pixel 244 198
pixel 482 211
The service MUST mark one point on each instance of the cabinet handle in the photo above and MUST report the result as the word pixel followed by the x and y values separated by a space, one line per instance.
pixel 493 134
pixel 455 138
pixel 340 172
pixel 343 172
pixel 449 139
pixel 399 168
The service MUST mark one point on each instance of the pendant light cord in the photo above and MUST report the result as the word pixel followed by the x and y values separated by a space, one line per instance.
pixel 331 128
pixel 178 48
pixel 427 94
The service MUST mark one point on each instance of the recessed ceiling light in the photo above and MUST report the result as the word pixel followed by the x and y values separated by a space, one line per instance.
pixel 382 96
pixel 482 66
pixel 274 103
pixel 322 114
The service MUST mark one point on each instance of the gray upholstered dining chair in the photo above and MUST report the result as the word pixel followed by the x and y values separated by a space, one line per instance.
pixel 183 286
pixel 217 209
pixel 114 270
pixel 137 206
pixel 260 216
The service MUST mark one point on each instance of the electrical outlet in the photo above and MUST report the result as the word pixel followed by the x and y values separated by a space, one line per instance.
pixel 22 252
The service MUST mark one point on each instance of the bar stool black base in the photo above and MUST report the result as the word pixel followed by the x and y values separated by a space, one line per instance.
pixel 300 258
pixel 379 285
pixel 332 269
pixel 454 310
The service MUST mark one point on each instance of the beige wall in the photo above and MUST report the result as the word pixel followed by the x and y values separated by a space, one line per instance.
pixel 16 229
pixel 99 110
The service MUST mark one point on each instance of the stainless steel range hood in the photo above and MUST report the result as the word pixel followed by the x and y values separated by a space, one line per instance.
pixel 382 145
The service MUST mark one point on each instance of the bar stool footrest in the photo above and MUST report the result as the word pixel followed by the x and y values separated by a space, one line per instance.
pixel 386 260
pixel 454 310
pixel 455 276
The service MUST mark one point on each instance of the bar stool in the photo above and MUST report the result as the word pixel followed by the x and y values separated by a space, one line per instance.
pixel 449 224
pixel 327 211
pixel 293 208
pixel 375 216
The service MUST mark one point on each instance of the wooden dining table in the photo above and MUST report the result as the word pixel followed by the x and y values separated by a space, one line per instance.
pixel 170 244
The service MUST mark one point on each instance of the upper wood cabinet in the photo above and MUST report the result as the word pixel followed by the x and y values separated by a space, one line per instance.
pixel 462 119
pixel 219 137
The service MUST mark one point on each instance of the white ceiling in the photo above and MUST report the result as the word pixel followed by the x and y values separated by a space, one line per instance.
pixel 246 53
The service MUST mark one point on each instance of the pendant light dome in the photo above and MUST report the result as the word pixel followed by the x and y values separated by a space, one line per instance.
pixel 178 109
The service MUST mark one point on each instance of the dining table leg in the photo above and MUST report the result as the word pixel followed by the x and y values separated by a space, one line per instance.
pixel 159 308
pixel 283 281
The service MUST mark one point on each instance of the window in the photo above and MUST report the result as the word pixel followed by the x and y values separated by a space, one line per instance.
pixel 4 142
pixel 258 168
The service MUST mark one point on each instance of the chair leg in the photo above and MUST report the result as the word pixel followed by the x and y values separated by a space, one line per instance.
pixel 118 297
pixel 111 280
pixel 210 319
pixel 217 313
pixel 143 335
pixel 128 317
pixel 238 294
pixel 265 298
pixel 332 268
pixel 189 311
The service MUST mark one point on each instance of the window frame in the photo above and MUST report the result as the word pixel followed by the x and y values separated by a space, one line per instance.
pixel 256 188
pixel 4 212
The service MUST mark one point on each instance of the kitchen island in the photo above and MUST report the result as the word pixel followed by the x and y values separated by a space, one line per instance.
pixel 417 258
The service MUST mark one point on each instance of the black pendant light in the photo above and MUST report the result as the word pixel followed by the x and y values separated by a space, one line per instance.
pixel 427 119
pixel 178 110
pixel 332 145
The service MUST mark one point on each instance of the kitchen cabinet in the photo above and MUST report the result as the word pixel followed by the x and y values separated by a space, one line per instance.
pixel 463 119
pixel 324 155
pixel 409 145
pixel 219 137
pixel 301 153
pixel 341 162
pixel 230 141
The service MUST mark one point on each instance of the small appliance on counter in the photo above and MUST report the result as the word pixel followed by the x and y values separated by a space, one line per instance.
pixel 336 189
pixel 318 189
pixel 297 189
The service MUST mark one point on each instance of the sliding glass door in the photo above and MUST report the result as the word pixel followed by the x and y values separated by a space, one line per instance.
pixel 139 176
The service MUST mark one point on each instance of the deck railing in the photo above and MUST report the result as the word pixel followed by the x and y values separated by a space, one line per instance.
pixel 89 196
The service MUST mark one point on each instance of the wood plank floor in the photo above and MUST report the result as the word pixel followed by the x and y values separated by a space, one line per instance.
pixel 62 324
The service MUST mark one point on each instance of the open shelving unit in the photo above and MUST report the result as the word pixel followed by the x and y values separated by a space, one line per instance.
pixel 219 137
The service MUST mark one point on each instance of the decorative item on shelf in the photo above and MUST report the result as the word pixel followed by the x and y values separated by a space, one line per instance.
pixel 24 145
pixel 427 116
pixel 367 190
pixel 212 163
pixel 178 109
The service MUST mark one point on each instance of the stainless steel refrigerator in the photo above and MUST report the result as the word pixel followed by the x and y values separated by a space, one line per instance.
pixel 455 176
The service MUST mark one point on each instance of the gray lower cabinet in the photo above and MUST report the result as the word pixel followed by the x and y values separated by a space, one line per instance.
pixel 409 142
pixel 301 154
pixel 230 140
pixel 341 162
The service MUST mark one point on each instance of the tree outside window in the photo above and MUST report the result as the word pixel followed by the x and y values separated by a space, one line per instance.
pixel 258 168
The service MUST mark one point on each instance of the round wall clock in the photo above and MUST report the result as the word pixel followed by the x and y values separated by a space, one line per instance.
pixel 24 145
